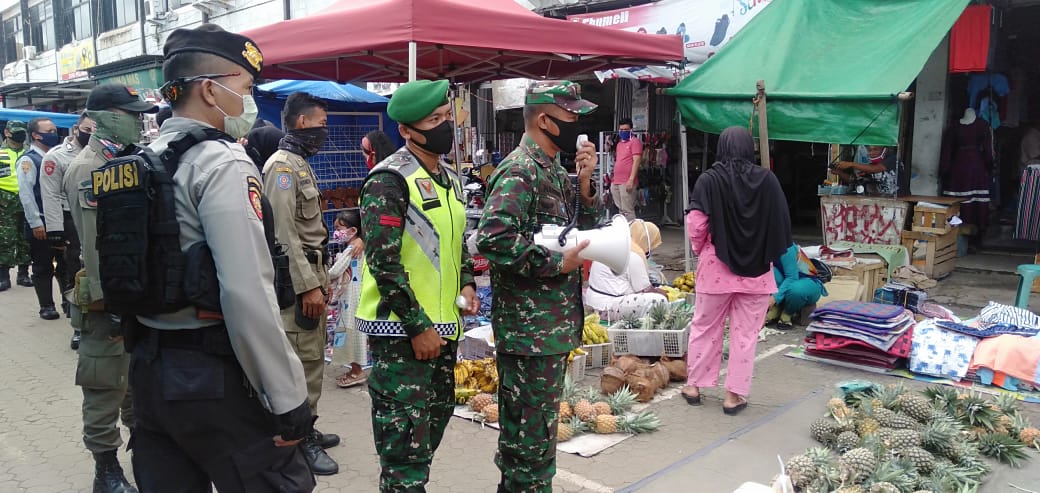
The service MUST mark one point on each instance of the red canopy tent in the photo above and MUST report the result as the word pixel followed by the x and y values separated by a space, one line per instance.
pixel 460 40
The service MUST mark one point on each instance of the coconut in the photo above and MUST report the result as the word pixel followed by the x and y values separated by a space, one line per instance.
pixel 628 363
pixel 676 368
pixel 642 387
pixel 612 380
pixel 662 373
pixel 653 376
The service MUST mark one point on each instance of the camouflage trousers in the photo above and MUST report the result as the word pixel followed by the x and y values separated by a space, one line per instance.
pixel 529 404
pixel 14 248
pixel 412 402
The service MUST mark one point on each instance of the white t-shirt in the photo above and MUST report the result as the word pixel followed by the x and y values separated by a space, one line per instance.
pixel 602 280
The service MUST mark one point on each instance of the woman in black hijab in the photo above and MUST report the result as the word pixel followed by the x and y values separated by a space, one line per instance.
pixel 738 224
pixel 261 143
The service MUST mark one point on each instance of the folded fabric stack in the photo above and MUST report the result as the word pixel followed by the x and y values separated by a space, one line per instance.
pixel 894 293
pixel 871 334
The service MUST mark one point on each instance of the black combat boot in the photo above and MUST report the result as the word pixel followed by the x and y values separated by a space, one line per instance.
pixel 108 474
pixel 321 463
pixel 326 440
pixel 74 344
pixel 23 276
pixel 5 277
pixel 45 294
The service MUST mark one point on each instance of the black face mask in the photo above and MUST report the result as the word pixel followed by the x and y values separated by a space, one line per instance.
pixel 438 139
pixel 567 141
pixel 18 136
pixel 83 138
pixel 310 139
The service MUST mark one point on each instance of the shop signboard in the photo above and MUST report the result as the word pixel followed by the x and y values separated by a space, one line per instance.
pixel 145 82
pixel 705 25
pixel 75 58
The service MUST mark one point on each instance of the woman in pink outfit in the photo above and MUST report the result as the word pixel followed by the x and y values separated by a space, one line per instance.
pixel 738 225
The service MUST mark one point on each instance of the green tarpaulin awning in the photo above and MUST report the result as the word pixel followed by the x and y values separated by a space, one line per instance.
pixel 832 68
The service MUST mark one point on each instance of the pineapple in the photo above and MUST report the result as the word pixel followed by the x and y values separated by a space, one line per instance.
pixel 621 400
pixel 480 401
pixel 888 397
pixel 639 423
pixel 566 412
pixel 899 439
pixel 1007 403
pixel 827 480
pixel 583 410
pixel 893 476
pixel 656 316
pixel 1030 437
pixel 851 488
pixel 938 436
pixel 1004 448
pixel 916 407
pixel 846 441
pixel 857 464
pixel 801 469
pixel 898 421
pixel 601 408
pixel 922 459
pixel 867 426
pixel 943 398
pixel 824 430
pixel 489 413
pixel 883 487
pixel 568 429
pixel 975 412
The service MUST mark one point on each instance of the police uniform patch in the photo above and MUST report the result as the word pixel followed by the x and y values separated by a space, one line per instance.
pixel 426 190
pixel 26 166
pixel 255 191
pixel 252 55
pixel 284 181
pixel 48 167
pixel 303 174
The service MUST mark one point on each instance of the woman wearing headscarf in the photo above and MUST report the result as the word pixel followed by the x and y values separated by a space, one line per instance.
pixel 376 146
pixel 261 142
pixel 630 293
pixel 739 225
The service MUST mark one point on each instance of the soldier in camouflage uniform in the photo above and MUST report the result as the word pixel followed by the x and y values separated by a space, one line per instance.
pixel 14 247
pixel 412 220
pixel 537 314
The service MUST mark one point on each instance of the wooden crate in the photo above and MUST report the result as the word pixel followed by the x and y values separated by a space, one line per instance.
pixel 929 219
pixel 940 252
pixel 870 276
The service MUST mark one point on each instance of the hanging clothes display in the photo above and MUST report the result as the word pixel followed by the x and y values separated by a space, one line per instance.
pixel 965 169
pixel 983 85
pixel 1028 224
pixel 969 40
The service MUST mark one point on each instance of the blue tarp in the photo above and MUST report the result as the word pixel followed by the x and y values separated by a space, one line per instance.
pixel 61 120
pixel 346 93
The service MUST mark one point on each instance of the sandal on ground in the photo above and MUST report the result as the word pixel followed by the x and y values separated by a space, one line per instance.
pixel 693 400
pixel 355 376
pixel 735 410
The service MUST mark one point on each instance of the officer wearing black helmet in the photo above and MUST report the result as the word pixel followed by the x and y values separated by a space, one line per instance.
pixel 220 397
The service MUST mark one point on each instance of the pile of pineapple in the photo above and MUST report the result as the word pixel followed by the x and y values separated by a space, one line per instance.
pixel 589 410
pixel 661 316
pixel 891 440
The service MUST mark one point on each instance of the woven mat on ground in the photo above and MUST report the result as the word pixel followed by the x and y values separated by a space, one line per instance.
pixel 1032 397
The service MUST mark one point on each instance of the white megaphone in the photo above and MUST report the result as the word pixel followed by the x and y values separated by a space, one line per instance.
pixel 608 245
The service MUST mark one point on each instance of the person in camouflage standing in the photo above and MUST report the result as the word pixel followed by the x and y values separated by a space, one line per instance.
pixel 537 313
pixel 14 247
pixel 412 220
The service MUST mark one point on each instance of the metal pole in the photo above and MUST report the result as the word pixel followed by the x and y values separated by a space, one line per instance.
pixel 413 60
pixel 684 184
pixel 763 126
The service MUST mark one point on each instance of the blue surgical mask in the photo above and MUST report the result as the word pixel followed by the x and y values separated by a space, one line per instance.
pixel 625 134
pixel 50 139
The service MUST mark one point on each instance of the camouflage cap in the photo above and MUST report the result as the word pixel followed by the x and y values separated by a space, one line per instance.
pixel 562 93
pixel 15 125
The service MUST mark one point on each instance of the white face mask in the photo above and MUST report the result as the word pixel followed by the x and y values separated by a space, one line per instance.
pixel 239 126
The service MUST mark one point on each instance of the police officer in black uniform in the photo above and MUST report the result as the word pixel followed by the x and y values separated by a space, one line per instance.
pixel 219 397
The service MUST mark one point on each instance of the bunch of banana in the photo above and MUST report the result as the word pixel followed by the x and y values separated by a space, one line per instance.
pixel 592 332
pixel 575 353
pixel 478 375
pixel 463 395
pixel 685 282
pixel 674 294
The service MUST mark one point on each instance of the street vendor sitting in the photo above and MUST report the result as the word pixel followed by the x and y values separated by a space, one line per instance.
pixel 798 286
pixel 875 169
pixel 630 293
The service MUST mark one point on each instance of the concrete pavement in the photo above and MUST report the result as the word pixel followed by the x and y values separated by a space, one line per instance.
pixel 698 449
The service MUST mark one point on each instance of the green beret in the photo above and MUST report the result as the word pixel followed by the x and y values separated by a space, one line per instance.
pixel 15 125
pixel 415 100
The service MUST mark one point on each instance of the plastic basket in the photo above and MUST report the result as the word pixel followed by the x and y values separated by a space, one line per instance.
pixel 576 368
pixel 672 343
pixel 597 355
pixel 475 344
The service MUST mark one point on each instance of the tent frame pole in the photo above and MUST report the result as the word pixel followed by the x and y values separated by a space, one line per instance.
pixel 685 188
pixel 763 125
pixel 413 60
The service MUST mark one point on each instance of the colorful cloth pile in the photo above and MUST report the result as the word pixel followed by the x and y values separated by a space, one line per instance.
pixel 869 334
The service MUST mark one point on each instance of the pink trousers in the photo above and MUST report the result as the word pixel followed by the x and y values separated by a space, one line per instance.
pixel 746 313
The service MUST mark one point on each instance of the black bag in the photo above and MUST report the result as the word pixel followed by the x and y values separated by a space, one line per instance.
pixel 823 272
pixel 142 267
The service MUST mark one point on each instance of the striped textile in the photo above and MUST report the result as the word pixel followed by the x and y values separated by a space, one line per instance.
pixel 1028 224
pixel 995 313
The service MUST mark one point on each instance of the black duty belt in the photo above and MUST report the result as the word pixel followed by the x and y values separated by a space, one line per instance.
pixel 213 340
pixel 313 256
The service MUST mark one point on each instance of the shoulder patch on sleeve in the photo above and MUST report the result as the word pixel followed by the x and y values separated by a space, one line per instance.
pixel 255 192
pixel 48 167
pixel 284 180
pixel 26 166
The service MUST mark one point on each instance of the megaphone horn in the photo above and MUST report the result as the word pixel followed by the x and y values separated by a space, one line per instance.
pixel 609 245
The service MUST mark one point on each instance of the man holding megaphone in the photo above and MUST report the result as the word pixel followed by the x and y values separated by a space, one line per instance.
pixel 538 311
